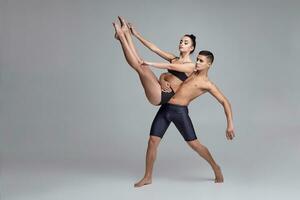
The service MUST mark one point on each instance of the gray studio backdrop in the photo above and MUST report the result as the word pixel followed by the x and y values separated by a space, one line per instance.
pixel 68 95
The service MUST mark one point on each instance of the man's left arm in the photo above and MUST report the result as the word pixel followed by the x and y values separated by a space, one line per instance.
pixel 214 91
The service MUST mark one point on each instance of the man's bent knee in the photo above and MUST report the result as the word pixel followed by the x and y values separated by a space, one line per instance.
pixel 194 144
pixel 154 140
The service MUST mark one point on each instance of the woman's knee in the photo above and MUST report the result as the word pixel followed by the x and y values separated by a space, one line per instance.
pixel 155 102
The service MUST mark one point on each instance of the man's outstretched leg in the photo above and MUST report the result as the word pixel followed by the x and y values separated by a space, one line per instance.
pixel 150 158
pixel 204 153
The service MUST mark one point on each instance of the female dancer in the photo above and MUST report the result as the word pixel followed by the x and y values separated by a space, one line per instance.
pixel 179 67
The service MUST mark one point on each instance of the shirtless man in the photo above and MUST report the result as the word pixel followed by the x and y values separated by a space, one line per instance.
pixel 176 111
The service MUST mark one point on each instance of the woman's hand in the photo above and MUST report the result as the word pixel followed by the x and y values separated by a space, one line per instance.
pixel 132 29
pixel 198 68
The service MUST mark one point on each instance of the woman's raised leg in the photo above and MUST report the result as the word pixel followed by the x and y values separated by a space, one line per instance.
pixel 126 31
pixel 148 79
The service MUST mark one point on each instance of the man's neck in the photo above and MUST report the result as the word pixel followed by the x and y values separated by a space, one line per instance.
pixel 202 73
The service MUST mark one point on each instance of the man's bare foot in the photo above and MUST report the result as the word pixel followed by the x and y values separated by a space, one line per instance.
pixel 144 181
pixel 219 176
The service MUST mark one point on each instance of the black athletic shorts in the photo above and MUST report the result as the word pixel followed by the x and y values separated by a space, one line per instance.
pixel 177 114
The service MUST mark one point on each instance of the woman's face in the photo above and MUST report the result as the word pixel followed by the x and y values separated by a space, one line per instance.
pixel 186 44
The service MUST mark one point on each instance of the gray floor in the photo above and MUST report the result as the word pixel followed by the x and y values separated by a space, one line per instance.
pixel 262 168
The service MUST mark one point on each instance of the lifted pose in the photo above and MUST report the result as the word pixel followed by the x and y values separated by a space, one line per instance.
pixel 179 68
pixel 176 111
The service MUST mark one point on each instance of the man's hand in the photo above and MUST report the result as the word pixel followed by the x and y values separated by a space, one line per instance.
pixel 165 86
pixel 198 68
pixel 230 133
pixel 144 63
pixel 148 63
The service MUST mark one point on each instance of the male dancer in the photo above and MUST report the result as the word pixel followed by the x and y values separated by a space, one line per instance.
pixel 176 111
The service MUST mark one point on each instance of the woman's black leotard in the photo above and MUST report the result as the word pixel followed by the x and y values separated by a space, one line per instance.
pixel 181 75
pixel 166 96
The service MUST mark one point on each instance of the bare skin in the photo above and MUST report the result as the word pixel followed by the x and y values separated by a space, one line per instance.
pixel 199 148
pixel 196 85
pixel 167 81
pixel 152 86
pixel 153 143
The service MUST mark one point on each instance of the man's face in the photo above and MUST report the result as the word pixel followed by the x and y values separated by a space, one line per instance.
pixel 202 62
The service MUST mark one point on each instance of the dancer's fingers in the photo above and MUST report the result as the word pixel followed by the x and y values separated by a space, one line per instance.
pixel 231 135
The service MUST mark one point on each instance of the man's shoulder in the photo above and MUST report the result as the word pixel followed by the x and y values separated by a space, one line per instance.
pixel 210 85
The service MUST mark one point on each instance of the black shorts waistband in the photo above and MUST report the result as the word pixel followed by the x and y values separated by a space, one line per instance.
pixel 175 106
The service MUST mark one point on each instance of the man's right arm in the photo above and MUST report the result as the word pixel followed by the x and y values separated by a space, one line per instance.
pixel 165 85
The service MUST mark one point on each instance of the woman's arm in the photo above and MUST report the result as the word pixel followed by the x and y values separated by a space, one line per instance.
pixel 165 55
pixel 185 67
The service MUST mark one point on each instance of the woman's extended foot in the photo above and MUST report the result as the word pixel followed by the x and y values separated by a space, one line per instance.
pixel 118 30
pixel 116 36
pixel 144 181
pixel 124 25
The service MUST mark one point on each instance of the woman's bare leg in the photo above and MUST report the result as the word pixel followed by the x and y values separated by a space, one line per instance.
pixel 148 79
pixel 129 56
pixel 126 31
pixel 146 71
